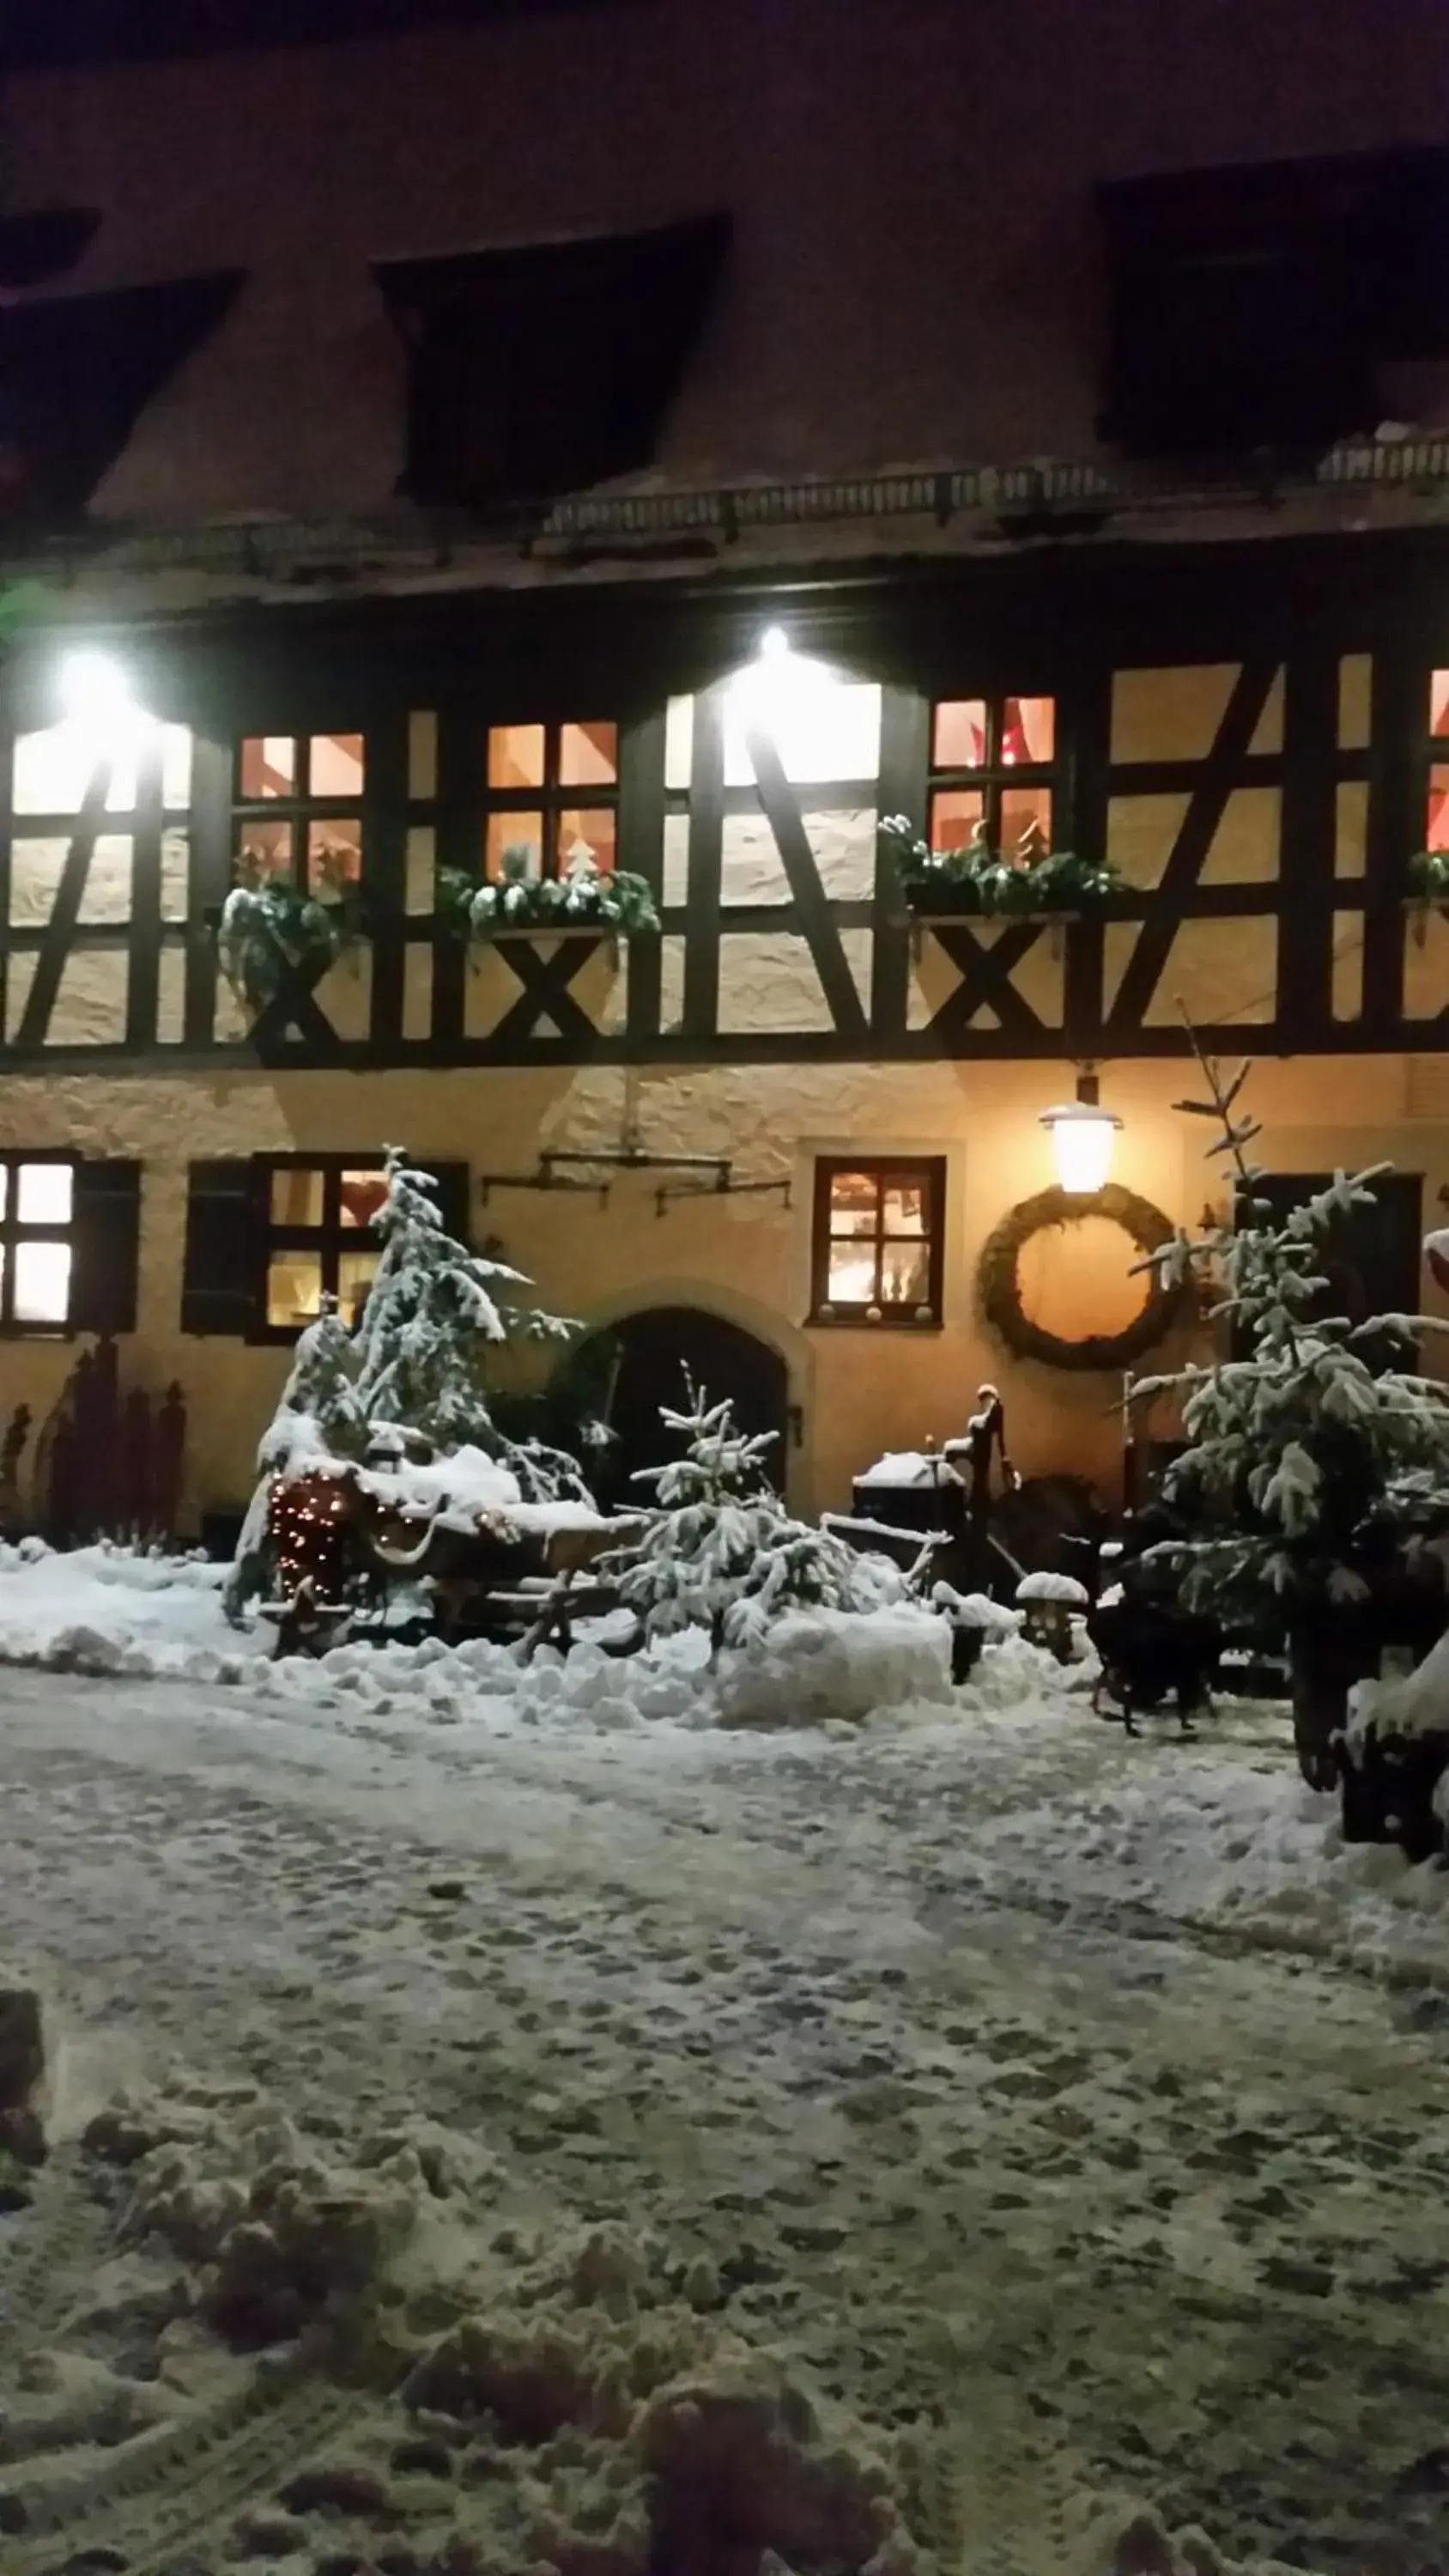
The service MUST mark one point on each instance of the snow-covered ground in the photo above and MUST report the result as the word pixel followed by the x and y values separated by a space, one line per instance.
pixel 1064 2113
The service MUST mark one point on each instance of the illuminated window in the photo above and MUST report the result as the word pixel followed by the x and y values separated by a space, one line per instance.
pixel 299 810
pixel 37 1216
pixel 1436 834
pixel 553 798
pixel 993 768
pixel 319 1216
pixel 878 1242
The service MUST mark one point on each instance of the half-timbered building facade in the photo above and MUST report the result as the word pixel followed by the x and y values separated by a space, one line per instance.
pixel 685 433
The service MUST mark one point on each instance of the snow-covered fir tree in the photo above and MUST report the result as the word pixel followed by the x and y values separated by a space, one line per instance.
pixel 319 1411
pixel 434 1314
pixel 720 1551
pixel 1311 1469
pixel 412 1375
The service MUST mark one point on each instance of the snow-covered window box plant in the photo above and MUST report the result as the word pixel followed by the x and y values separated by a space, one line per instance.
pixel 1034 882
pixel 586 899
pixel 270 927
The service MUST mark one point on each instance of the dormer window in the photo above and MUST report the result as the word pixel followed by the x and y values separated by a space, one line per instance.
pixel 546 369
pixel 1257 306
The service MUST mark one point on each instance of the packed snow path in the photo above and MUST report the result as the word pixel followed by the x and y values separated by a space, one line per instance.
pixel 886 2026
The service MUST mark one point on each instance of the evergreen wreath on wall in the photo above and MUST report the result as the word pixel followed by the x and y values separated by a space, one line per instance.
pixel 1000 1292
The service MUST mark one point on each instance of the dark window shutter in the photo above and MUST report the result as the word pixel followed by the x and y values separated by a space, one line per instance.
pixel 105 1238
pixel 221 1277
pixel 454 1197
pixel 1371 1255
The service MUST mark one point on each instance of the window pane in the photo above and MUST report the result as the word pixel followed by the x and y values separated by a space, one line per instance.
pixel 586 836
pixel 334 856
pixel 958 734
pixel 297 1194
pixel 1028 729
pixel 588 755
pixel 422 752
pixel 854 1200
pixel 45 1194
pixel 514 846
pixel 906 1207
pixel 263 850
pixel 1024 809
pixel 955 813
pixel 356 1272
pixel 1439 702
pixel 175 765
pixel 851 1277
pixel 4 1188
pixel 362 1195
pixel 678 742
pixel 42 1283
pixel 336 765
pixel 905 1274
pixel 515 755
pixel 1438 824
pixel 294 1288
pixel 269 765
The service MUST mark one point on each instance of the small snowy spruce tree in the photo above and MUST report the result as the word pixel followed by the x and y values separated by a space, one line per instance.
pixel 319 1411
pixel 433 1315
pixel 720 1551
pixel 414 1367
pixel 1311 1469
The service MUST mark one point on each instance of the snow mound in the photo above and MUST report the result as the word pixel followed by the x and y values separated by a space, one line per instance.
pixel 815 1665
pixel 909 1467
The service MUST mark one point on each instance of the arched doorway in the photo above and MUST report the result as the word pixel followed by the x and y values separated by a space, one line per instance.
pixel 627 1370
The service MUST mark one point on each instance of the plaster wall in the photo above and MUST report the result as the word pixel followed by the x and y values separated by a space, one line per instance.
pixel 916 273
pixel 860 1391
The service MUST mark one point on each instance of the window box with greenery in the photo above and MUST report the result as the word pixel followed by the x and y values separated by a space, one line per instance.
pixel 520 903
pixel 296 901
pixel 1034 883
pixel 878 1242
pixel 549 843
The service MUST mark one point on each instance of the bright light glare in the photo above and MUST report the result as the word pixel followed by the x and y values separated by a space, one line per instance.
pixel 773 644
pixel 1082 1139
pixel 96 691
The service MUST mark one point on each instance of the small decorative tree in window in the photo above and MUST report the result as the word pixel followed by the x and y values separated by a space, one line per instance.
pixel 1311 1476
pixel 720 1551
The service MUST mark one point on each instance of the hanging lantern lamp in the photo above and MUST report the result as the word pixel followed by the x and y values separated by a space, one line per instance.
pixel 1082 1134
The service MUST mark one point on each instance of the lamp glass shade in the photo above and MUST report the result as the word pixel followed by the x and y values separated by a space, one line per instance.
pixel 1082 1138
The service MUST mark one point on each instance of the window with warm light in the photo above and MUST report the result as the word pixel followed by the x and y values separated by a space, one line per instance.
pixel 320 1241
pixel 553 797
pixel 298 810
pixel 878 1242
pixel 1436 821
pixel 994 769
pixel 37 1216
